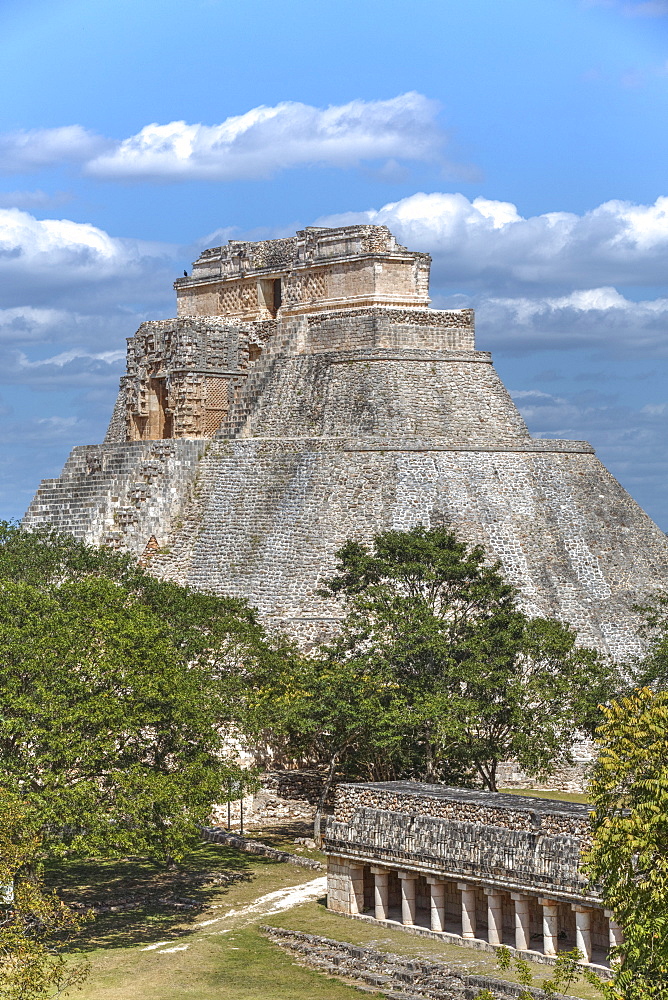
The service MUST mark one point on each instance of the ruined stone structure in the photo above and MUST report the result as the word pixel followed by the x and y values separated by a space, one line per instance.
pixel 306 394
pixel 482 868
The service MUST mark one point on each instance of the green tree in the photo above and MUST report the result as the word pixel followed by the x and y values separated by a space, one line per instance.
pixel 567 971
pixel 629 855
pixel 119 696
pixel 201 624
pixel 331 712
pixel 34 924
pixel 651 670
pixel 429 616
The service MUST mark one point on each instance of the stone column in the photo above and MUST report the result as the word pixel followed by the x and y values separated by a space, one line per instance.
pixel 437 901
pixel 522 921
pixel 550 926
pixel 468 909
pixel 494 916
pixel 408 880
pixel 615 932
pixel 583 930
pixel 380 877
pixel 356 888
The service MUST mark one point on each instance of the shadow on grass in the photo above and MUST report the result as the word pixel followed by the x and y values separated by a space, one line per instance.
pixel 283 835
pixel 136 901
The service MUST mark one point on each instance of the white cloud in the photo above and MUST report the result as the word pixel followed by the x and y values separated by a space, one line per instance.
pixel 27 323
pixel 24 151
pixel 53 262
pixel 67 357
pixel 73 355
pixel 57 242
pixel 267 139
pixel 70 294
pixel 252 145
pixel 72 368
pixel 488 245
pixel 592 318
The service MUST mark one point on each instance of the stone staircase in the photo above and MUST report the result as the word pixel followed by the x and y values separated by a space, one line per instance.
pixel 119 495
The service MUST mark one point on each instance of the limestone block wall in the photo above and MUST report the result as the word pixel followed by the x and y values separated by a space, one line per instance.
pixel 318 268
pixel 469 851
pixel 475 868
pixel 271 514
pixel 456 397
pixel 476 837
pixel 410 329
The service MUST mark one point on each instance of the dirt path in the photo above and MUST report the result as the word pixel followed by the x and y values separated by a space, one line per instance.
pixel 272 902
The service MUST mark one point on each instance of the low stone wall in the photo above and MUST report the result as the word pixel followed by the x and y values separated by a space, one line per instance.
pixel 398 977
pixel 214 835
pixel 566 778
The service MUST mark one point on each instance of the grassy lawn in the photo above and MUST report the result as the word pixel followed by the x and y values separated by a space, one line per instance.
pixel 147 948
pixel 192 934
pixel 315 919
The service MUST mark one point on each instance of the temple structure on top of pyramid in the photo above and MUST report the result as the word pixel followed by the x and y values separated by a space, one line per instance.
pixel 306 394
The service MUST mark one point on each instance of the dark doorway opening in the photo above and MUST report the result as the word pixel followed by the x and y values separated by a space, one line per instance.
pixel 278 295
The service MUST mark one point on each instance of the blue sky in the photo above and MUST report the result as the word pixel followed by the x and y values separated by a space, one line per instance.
pixel 523 143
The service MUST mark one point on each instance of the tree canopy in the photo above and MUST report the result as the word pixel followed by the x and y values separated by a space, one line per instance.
pixel 34 923
pixel 651 669
pixel 121 695
pixel 437 674
pixel 484 682
pixel 629 856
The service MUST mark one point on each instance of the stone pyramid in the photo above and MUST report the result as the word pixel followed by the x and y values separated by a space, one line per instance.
pixel 306 394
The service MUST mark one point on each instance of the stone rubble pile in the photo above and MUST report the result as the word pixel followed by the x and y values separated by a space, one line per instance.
pixel 398 978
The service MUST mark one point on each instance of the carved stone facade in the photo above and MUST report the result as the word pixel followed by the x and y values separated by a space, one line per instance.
pixel 306 394
pixel 477 868
pixel 182 375
pixel 316 269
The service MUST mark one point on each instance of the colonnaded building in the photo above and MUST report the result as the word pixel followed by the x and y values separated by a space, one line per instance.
pixel 306 394
pixel 475 868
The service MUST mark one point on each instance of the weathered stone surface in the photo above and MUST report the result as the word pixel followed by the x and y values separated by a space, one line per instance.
pixel 306 395
pixel 471 867
pixel 491 838
pixel 411 978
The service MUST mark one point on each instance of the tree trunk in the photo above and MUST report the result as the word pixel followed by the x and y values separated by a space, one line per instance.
pixel 323 796
pixel 488 775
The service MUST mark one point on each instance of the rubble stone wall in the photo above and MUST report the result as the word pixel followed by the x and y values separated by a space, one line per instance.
pixel 121 495
pixel 511 812
pixel 486 838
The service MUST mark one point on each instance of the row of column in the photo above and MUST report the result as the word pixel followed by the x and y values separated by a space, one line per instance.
pixel 437 892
